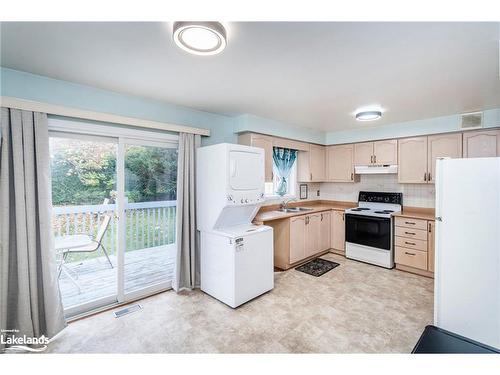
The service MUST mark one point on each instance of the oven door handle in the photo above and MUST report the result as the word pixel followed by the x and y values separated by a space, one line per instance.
pixel 372 218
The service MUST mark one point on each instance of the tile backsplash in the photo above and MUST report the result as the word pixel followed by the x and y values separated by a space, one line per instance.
pixel 312 188
pixel 414 195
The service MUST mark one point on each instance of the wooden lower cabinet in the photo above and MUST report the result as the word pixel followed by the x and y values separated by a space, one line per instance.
pixel 338 232
pixel 313 230
pixel 297 238
pixel 414 245
pixel 412 258
pixel 325 230
pixel 300 237
pixel 431 246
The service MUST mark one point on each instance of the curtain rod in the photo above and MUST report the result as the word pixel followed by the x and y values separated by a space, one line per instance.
pixel 29 105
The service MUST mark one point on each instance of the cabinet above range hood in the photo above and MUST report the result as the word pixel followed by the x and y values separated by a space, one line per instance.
pixel 376 169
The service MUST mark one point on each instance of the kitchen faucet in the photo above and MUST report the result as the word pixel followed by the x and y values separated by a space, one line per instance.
pixel 284 204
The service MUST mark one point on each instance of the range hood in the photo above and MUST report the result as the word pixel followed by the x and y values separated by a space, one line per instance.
pixel 375 169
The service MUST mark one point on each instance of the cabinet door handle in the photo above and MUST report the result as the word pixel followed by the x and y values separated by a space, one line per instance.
pixel 430 228
pixel 429 176
pixel 410 233
pixel 409 222
pixel 321 217
pixel 374 158
pixel 311 176
pixel 407 253
pixel 352 176
pixel 425 176
pixel 410 243
pixel 371 159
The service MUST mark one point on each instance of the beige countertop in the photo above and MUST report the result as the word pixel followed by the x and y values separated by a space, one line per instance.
pixel 417 213
pixel 270 213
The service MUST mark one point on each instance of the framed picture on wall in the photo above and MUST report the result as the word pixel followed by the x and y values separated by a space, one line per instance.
pixel 303 191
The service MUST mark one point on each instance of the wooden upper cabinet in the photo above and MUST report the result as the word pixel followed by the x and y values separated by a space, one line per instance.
pixel 303 167
pixel 481 144
pixel 313 229
pixel 297 238
pixel 379 152
pixel 412 157
pixel 290 143
pixel 317 163
pixel 311 164
pixel 385 152
pixel 431 230
pixel 442 145
pixel 325 230
pixel 261 141
pixel 363 153
pixel 340 163
pixel 338 231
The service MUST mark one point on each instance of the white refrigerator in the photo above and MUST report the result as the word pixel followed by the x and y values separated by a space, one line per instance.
pixel 467 268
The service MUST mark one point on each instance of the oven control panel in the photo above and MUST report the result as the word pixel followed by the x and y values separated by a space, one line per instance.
pixel 380 197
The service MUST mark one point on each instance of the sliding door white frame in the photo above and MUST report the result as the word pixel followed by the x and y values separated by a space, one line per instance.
pixel 122 136
pixel 122 242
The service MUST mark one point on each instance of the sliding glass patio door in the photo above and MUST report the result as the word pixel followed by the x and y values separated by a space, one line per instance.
pixel 114 214
pixel 149 212
pixel 84 219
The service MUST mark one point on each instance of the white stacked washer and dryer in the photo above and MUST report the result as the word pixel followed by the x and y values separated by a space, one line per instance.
pixel 236 256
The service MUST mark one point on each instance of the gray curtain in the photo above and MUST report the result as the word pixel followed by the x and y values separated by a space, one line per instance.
pixel 187 268
pixel 29 293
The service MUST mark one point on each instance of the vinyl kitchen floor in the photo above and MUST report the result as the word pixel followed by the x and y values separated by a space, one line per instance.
pixel 355 308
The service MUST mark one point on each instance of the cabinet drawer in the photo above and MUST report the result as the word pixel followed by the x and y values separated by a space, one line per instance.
pixel 419 234
pixel 411 243
pixel 411 223
pixel 411 258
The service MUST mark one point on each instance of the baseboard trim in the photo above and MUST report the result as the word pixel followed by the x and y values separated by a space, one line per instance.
pixel 415 271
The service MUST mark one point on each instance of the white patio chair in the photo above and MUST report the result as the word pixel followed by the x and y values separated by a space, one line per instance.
pixel 95 243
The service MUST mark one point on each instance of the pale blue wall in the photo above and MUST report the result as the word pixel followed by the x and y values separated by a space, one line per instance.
pixel 444 124
pixel 223 128
pixel 39 88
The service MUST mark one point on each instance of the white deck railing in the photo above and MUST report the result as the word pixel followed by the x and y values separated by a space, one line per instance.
pixel 148 224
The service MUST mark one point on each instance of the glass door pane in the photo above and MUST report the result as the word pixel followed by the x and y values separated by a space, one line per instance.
pixel 84 221
pixel 150 212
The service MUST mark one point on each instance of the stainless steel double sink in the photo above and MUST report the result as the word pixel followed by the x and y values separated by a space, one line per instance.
pixel 294 209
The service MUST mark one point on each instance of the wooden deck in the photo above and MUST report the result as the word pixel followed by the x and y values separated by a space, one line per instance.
pixel 97 279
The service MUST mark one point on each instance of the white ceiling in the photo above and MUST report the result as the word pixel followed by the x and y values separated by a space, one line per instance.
pixel 307 74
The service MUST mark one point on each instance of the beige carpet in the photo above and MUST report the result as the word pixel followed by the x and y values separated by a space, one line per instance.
pixel 354 308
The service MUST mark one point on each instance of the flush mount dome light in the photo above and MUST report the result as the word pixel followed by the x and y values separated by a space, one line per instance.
pixel 368 115
pixel 200 38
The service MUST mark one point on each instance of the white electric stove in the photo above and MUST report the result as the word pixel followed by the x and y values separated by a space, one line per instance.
pixel 369 228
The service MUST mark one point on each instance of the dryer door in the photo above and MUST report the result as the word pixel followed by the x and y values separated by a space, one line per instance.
pixel 246 170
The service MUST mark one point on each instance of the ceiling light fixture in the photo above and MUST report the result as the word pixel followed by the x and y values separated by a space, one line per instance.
pixel 200 38
pixel 369 113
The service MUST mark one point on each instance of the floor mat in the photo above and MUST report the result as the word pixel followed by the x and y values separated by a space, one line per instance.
pixel 317 267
